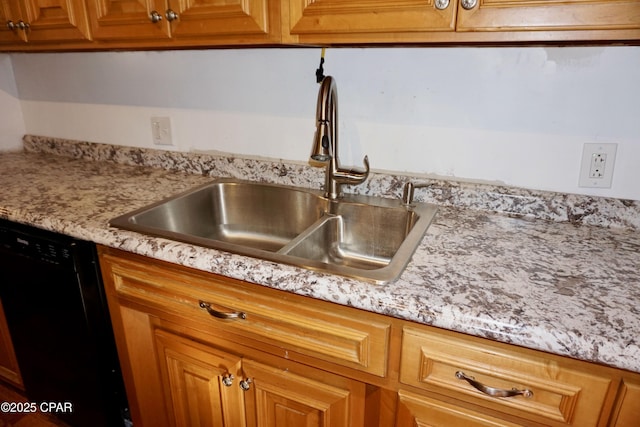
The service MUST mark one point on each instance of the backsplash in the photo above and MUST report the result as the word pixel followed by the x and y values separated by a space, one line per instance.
pixel 578 209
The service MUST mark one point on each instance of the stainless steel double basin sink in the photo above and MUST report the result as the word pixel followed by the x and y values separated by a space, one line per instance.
pixel 367 238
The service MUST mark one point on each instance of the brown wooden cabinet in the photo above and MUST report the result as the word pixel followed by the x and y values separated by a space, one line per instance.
pixel 200 382
pixel 9 370
pixel 348 21
pixel 545 390
pixel 284 394
pixel 135 24
pixel 627 412
pixel 530 15
pixel 10 18
pixel 418 410
pixel 43 23
pixel 175 23
pixel 185 367
pixel 201 349
pixel 373 21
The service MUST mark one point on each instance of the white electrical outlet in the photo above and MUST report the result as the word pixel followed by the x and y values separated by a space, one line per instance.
pixel 161 130
pixel 597 165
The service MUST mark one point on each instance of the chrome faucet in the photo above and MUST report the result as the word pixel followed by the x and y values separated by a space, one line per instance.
pixel 325 145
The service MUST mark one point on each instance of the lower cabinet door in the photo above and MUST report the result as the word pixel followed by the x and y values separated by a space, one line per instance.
pixel 200 383
pixel 627 413
pixel 279 397
pixel 415 410
pixel 8 363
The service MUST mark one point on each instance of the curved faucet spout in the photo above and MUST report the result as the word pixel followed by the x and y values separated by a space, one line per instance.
pixel 325 146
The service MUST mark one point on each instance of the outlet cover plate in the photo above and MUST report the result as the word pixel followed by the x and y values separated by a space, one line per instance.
pixel 598 161
pixel 161 131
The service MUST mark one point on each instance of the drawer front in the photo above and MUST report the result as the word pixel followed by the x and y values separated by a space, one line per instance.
pixel 416 410
pixel 291 322
pixel 560 395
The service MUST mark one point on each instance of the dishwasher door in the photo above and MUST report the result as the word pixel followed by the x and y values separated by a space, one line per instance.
pixel 54 304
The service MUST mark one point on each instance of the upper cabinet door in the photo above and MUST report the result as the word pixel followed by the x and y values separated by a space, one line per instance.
pixel 536 15
pixel 201 22
pixel 10 18
pixel 222 18
pixel 369 20
pixel 128 19
pixel 46 21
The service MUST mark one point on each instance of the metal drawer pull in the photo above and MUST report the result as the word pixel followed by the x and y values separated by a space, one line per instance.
pixel 493 392
pixel 221 315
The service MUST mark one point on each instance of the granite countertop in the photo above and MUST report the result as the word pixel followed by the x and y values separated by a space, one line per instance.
pixel 564 287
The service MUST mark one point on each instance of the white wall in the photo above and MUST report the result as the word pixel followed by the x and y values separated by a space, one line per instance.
pixel 519 116
pixel 11 120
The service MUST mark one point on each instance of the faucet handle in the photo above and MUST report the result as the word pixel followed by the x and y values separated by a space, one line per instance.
pixel 354 175
pixel 409 187
pixel 365 173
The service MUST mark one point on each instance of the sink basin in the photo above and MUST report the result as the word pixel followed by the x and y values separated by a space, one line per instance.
pixel 356 236
pixel 368 238
pixel 230 213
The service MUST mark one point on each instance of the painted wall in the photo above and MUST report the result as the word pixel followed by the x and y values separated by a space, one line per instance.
pixel 519 116
pixel 11 120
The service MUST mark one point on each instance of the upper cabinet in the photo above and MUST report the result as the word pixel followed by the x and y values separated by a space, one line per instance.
pixel 13 26
pixel 128 20
pixel 152 24
pixel 357 21
pixel 161 23
pixel 553 20
pixel 43 23
pixel 436 21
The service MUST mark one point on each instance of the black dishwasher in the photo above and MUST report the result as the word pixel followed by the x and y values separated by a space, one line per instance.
pixel 58 318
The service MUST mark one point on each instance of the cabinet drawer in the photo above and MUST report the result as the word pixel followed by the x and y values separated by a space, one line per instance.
pixel 562 393
pixel 416 410
pixel 291 322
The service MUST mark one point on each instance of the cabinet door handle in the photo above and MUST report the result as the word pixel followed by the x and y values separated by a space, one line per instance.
pixel 171 15
pixel 23 25
pixel 493 392
pixel 442 4
pixel 220 314
pixel 154 16
pixel 11 25
pixel 246 384
pixel 228 380
pixel 469 4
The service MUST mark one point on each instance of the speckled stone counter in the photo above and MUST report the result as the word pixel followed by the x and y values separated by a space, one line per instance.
pixel 548 279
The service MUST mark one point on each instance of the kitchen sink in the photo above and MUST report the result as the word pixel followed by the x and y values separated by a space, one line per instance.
pixel 368 238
